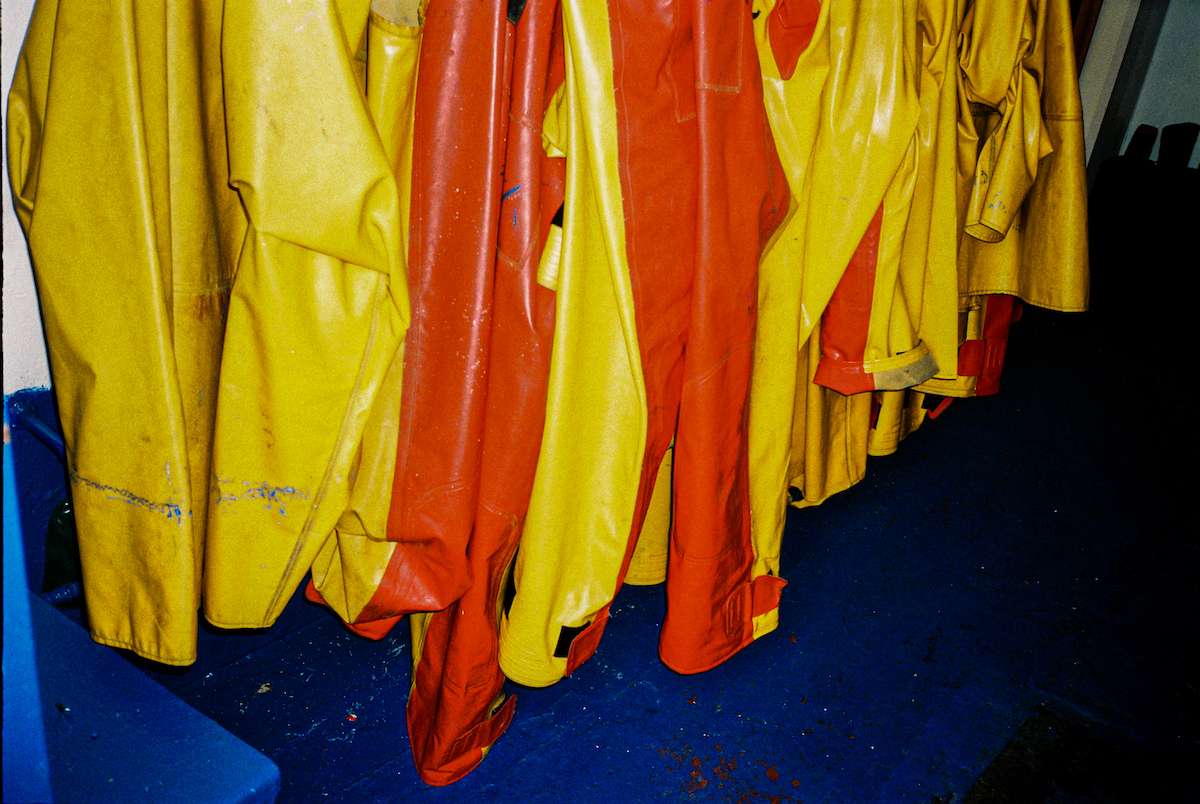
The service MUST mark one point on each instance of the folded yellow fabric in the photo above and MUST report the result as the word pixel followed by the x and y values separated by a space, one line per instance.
pixel 319 305
pixel 348 569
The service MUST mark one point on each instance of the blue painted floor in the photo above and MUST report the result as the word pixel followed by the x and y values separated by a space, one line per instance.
pixel 1026 553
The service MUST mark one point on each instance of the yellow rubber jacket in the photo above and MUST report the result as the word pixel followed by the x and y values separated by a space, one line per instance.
pixel 349 567
pixel 892 321
pixel 1027 214
pixel 864 117
pixel 793 105
pixel 1022 181
pixel 595 428
pixel 116 147
pixel 864 145
pixel 319 305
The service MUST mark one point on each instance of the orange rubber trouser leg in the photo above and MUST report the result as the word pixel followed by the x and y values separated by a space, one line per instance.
pixel 461 116
pixel 457 680
pixel 743 197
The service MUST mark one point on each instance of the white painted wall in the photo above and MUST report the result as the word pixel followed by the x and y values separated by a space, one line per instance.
pixel 1103 62
pixel 25 364
pixel 1171 93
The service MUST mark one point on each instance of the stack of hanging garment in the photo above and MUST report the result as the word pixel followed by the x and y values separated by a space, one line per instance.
pixel 929 115
pixel 660 289
pixel 216 233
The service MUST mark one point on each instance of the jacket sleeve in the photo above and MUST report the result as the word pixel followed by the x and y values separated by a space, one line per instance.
pixel 1003 62
pixel 319 305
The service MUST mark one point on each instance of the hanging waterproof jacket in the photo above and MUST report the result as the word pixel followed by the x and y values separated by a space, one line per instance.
pixel 319 304
pixel 912 301
pixel 1022 179
pixel 461 97
pixel 892 320
pixel 880 273
pixel 1027 214
pixel 346 572
pixel 116 149
pixel 864 146
pixel 456 705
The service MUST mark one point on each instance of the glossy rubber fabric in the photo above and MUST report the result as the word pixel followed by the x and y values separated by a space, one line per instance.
pixel 869 338
pixel 865 138
pixel 116 148
pixel 456 706
pixel 794 59
pixel 319 305
pixel 571 563
pixel 347 571
pixel 892 320
pixel 595 427
pixel 462 97
pixel 1028 214
pixel 858 138
pixel 718 599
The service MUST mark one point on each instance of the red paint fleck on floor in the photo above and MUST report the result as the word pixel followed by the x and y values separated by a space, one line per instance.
pixel 723 769
pixel 722 781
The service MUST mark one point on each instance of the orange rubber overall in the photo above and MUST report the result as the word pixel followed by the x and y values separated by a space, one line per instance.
pixel 703 190
pixel 453 712
pixel 461 114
